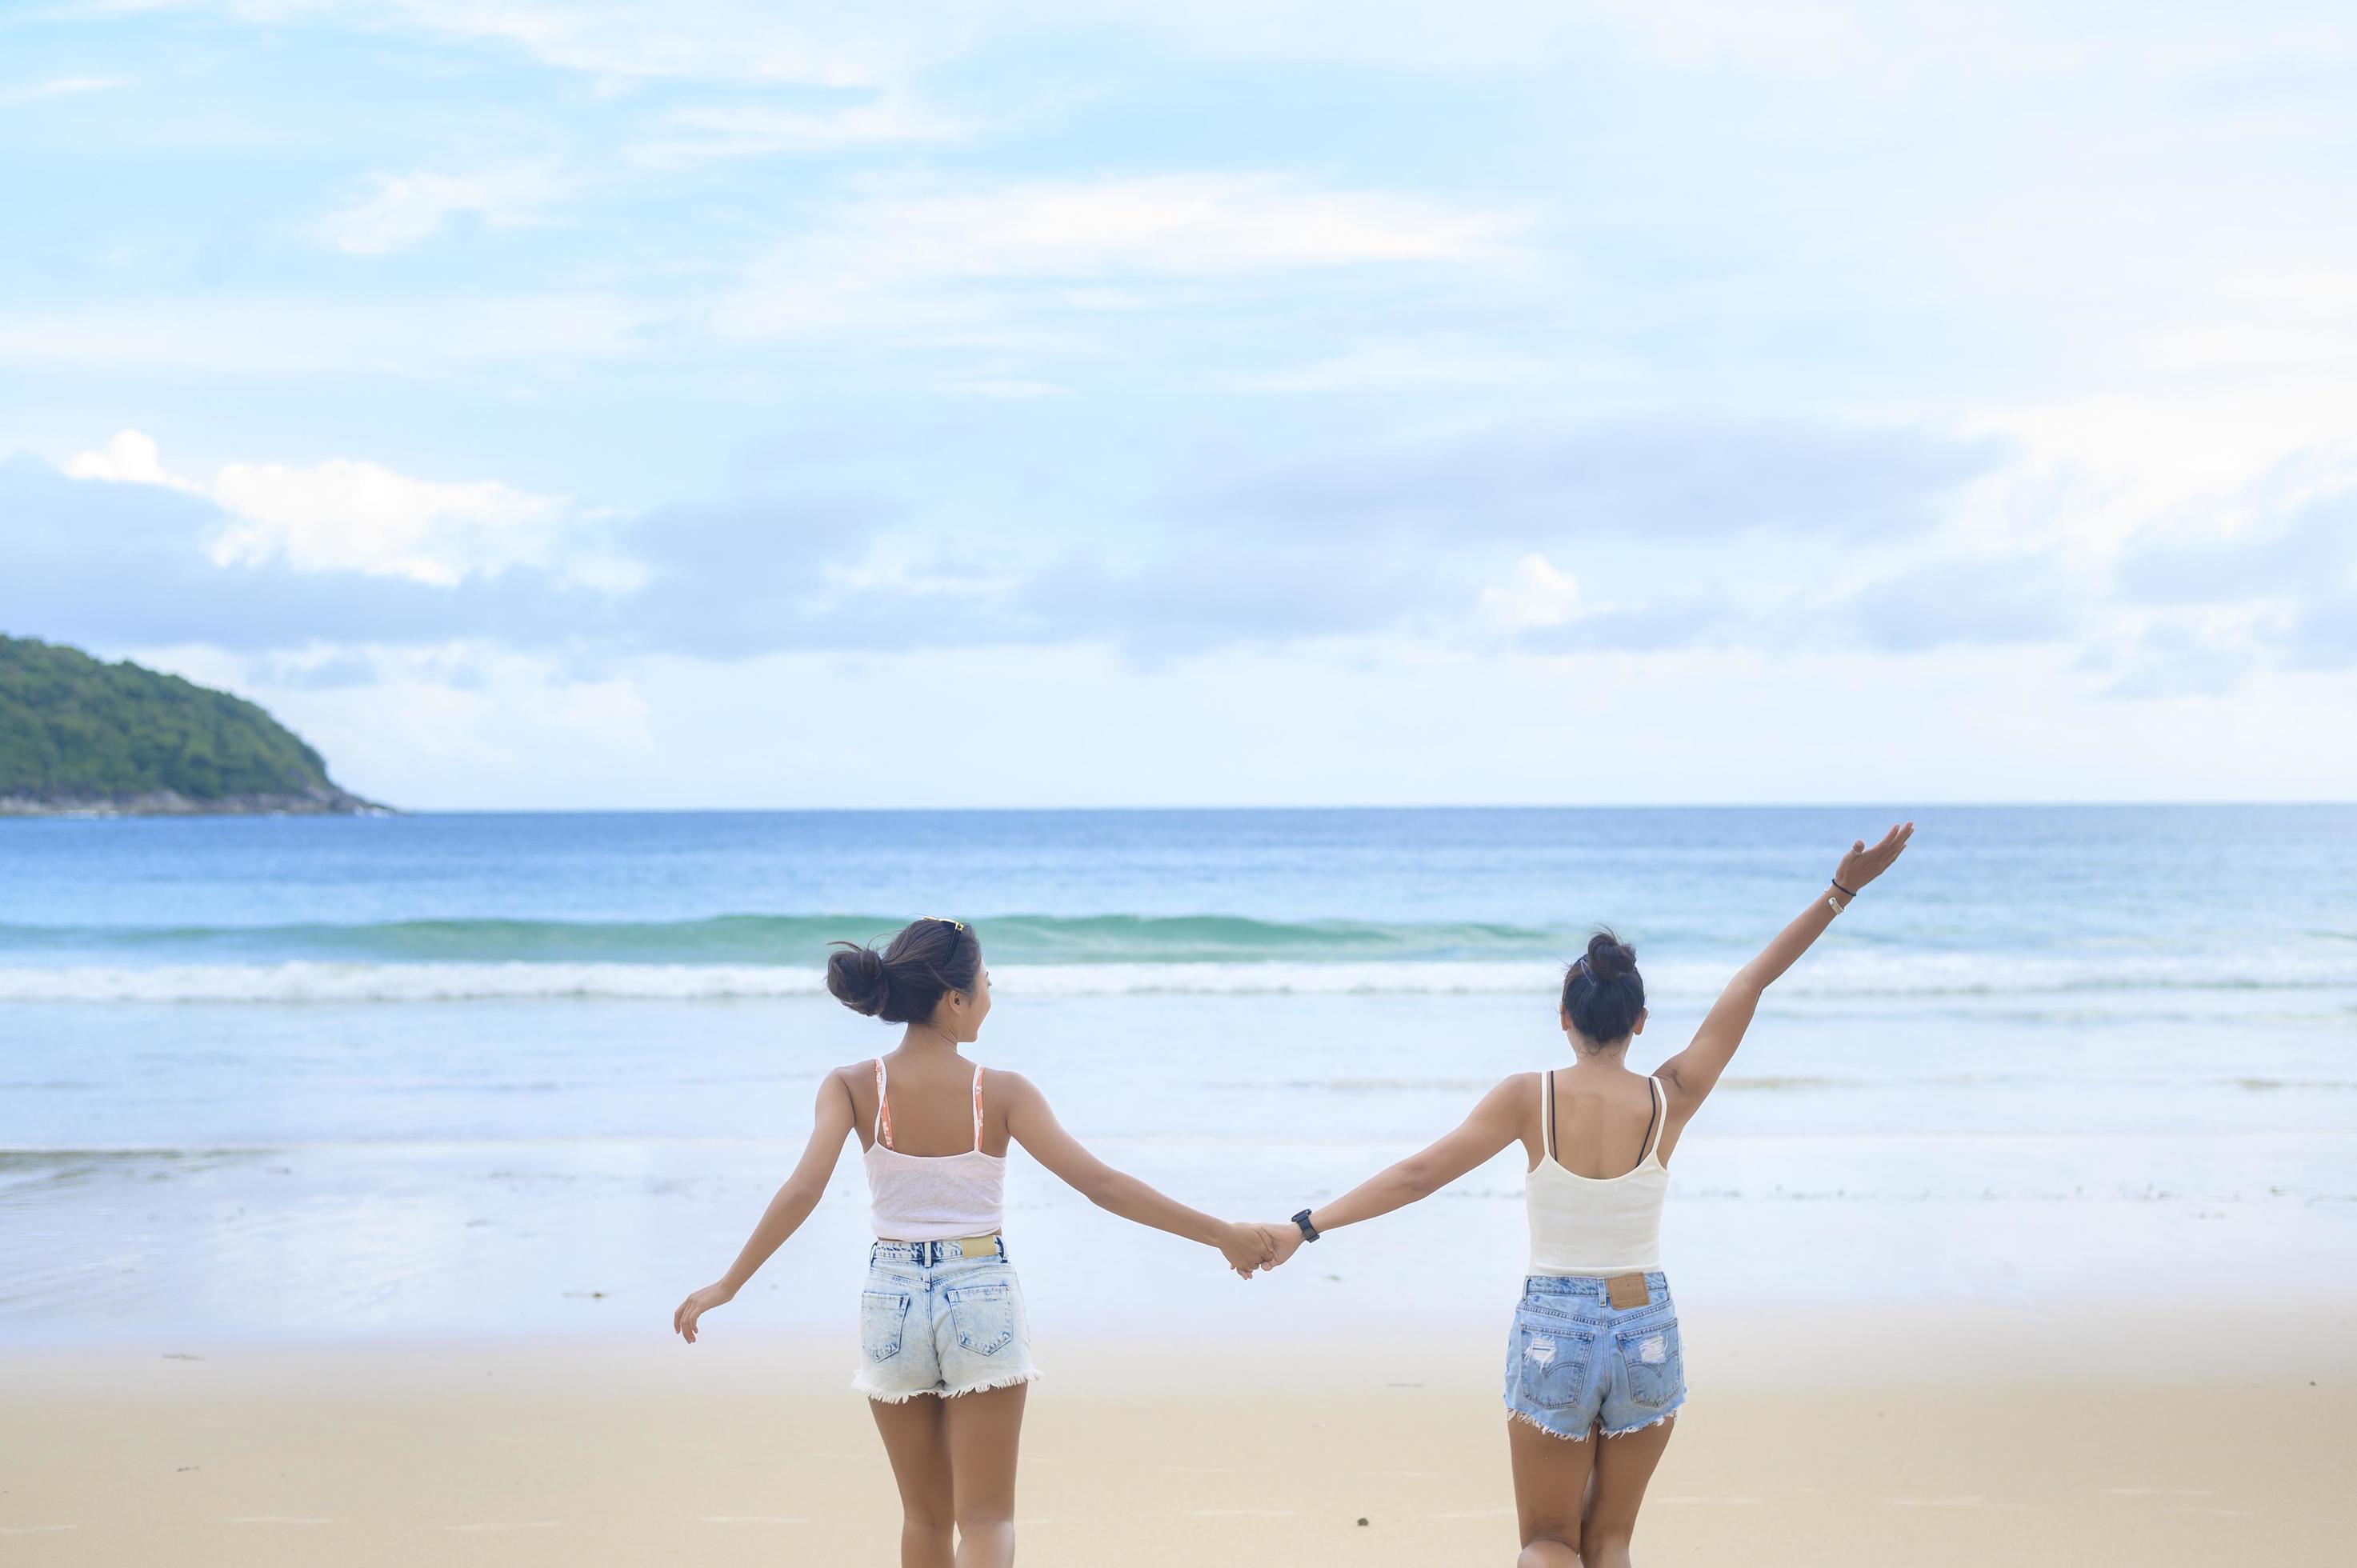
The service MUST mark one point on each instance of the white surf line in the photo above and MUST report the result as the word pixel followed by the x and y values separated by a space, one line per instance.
pixel 520 1524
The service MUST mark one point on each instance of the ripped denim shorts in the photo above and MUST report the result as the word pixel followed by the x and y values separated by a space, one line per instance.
pixel 1574 1361
pixel 934 1321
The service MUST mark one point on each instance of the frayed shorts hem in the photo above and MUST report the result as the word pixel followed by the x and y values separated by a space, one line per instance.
pixel 1527 1419
pixel 902 1396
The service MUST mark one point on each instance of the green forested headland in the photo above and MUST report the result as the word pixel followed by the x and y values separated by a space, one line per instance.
pixel 80 735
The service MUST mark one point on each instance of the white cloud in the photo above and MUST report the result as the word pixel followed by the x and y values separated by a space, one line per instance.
pixel 1006 389
pixel 628 40
pixel 129 458
pixel 941 257
pixel 690 137
pixel 347 516
pixel 1189 224
pixel 1376 367
pixel 298 333
pixel 58 87
pixel 1535 593
pixel 344 515
pixel 406 210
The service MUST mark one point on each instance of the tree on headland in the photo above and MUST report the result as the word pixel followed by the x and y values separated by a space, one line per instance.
pixel 77 734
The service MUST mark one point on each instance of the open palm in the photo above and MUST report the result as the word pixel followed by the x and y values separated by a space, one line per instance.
pixel 1862 865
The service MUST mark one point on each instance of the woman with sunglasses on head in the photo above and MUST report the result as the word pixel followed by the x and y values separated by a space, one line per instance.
pixel 945 1351
pixel 1594 1349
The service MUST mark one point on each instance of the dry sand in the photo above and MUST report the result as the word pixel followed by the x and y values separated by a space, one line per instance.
pixel 1916 1452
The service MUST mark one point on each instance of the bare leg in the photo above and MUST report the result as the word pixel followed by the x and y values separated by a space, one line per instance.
pixel 1550 1475
pixel 916 1442
pixel 984 1429
pixel 1623 1467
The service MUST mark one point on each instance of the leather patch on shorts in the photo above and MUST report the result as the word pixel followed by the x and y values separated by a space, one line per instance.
pixel 1625 1291
pixel 987 1246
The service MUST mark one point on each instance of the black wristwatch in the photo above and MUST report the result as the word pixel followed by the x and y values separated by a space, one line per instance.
pixel 1308 1231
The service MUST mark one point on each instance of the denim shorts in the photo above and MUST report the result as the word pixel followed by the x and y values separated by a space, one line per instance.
pixel 1574 1361
pixel 934 1321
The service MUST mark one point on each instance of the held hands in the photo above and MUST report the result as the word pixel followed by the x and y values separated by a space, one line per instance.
pixel 682 1320
pixel 1284 1239
pixel 1246 1247
pixel 1259 1246
pixel 1862 865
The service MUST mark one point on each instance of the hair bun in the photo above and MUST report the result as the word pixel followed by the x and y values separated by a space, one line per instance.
pixel 858 978
pixel 1609 958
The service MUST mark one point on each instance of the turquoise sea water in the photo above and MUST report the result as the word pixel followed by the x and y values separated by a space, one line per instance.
pixel 523 1072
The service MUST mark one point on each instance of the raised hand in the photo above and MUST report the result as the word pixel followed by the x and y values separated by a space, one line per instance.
pixel 1246 1247
pixel 1862 865
pixel 682 1318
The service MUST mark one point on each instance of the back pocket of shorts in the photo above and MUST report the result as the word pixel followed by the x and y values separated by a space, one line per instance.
pixel 1551 1361
pixel 983 1316
pixel 883 1319
pixel 1656 1373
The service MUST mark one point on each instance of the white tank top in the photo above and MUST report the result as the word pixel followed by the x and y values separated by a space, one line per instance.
pixel 1597 1225
pixel 932 1197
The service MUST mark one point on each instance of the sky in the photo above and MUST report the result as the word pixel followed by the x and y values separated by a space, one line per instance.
pixel 581 404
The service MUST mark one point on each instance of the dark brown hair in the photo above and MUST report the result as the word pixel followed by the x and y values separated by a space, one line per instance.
pixel 1603 992
pixel 907 980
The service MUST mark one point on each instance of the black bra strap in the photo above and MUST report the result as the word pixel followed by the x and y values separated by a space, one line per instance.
pixel 1547 1117
pixel 1652 1119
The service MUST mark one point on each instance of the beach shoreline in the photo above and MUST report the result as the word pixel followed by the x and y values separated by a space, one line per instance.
pixel 1834 1437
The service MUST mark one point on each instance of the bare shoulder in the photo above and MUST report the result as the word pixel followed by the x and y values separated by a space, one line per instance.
pixel 1514 1090
pixel 1011 1088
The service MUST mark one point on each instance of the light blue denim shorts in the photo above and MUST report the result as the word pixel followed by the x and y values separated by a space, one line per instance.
pixel 1574 1361
pixel 934 1321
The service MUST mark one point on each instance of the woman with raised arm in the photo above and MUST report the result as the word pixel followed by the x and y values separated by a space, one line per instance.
pixel 1594 1350
pixel 945 1351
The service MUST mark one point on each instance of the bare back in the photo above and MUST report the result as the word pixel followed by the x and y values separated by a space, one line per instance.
pixel 932 1103
pixel 1604 1115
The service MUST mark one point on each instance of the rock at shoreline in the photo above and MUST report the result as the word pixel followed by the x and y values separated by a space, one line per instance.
pixel 170 803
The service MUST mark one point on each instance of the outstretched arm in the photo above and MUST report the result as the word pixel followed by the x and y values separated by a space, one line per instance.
pixel 1033 1125
pixel 1495 1123
pixel 1689 1077
pixel 831 1122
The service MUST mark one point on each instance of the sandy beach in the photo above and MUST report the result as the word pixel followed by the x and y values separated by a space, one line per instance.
pixel 2083 1436
pixel 331 1240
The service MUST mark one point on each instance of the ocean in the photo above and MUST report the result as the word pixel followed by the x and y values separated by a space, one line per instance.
pixel 489 1075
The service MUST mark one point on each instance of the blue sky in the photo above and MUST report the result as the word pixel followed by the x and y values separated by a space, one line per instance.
pixel 541 403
